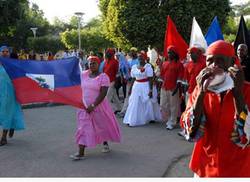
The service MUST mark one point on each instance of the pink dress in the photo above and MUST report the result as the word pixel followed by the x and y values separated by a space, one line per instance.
pixel 101 124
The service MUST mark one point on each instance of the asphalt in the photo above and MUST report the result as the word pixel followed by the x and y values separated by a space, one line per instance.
pixel 43 149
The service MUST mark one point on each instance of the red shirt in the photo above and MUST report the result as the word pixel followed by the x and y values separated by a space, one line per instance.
pixel 170 73
pixel 215 155
pixel 191 71
pixel 111 68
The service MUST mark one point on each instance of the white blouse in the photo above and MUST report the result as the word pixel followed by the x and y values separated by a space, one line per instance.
pixel 138 74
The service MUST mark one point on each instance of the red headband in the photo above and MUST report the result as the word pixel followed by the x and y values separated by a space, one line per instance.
pixel 173 48
pixel 143 55
pixel 95 59
pixel 193 50
pixel 110 51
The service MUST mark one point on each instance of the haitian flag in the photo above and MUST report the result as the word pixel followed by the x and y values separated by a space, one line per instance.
pixel 55 81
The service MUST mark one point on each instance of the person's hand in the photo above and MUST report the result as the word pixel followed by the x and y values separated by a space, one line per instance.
pixel 238 77
pixel 129 92
pixel 175 91
pixel 178 86
pixel 150 94
pixel 203 78
pixel 90 108
pixel 122 80
pixel 238 136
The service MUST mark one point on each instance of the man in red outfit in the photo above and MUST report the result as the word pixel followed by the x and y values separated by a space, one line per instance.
pixel 172 72
pixel 193 67
pixel 111 66
pixel 215 119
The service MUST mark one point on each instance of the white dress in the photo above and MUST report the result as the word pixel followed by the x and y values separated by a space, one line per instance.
pixel 141 109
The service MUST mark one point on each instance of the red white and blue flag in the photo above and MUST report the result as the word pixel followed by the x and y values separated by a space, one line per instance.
pixel 41 81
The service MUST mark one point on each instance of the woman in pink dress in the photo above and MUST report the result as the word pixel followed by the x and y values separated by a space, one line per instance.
pixel 97 123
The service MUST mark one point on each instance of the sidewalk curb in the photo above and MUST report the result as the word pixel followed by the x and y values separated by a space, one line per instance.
pixel 178 163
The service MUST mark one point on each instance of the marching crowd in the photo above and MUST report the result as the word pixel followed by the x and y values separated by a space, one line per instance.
pixel 162 89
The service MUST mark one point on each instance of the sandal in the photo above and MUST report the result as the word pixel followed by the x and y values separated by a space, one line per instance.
pixel 3 142
pixel 76 157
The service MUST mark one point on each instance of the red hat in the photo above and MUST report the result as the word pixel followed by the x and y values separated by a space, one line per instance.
pixel 222 48
pixel 110 51
pixel 193 50
pixel 95 59
pixel 173 48
pixel 143 55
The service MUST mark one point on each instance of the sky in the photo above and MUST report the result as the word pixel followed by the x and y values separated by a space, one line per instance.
pixel 65 9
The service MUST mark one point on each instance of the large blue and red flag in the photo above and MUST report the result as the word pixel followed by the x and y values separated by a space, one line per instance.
pixel 41 81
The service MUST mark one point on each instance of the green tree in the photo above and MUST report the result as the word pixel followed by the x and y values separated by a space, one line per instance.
pixel 140 23
pixel 11 11
pixel 242 9
pixel 103 6
pixel 16 29
pixel 91 37
pixel 45 43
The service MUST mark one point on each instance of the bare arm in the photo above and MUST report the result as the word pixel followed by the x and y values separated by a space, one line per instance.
pixel 99 99
pixel 198 103
pixel 150 94
pixel 238 77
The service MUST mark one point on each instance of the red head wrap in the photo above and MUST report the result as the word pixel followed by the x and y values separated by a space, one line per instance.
pixel 143 55
pixel 95 59
pixel 193 50
pixel 173 48
pixel 110 51
pixel 222 48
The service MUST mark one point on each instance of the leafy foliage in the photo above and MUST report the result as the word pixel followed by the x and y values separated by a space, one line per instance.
pixel 242 9
pixel 91 37
pixel 45 43
pixel 15 31
pixel 11 12
pixel 140 23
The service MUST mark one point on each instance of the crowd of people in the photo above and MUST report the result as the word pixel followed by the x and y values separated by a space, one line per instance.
pixel 163 89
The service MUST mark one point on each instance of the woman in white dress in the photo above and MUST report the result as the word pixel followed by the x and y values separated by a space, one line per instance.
pixel 143 106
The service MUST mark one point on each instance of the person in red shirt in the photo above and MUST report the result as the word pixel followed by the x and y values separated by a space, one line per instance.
pixel 215 117
pixel 193 67
pixel 111 66
pixel 196 62
pixel 172 72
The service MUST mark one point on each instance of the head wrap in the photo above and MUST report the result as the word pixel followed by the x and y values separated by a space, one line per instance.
pixel 3 47
pixel 110 51
pixel 143 55
pixel 222 48
pixel 173 48
pixel 133 49
pixel 95 59
pixel 193 50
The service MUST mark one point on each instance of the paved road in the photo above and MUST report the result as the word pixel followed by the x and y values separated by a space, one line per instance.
pixel 42 150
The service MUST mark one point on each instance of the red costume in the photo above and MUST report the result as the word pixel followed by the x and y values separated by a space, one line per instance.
pixel 192 69
pixel 111 66
pixel 214 154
